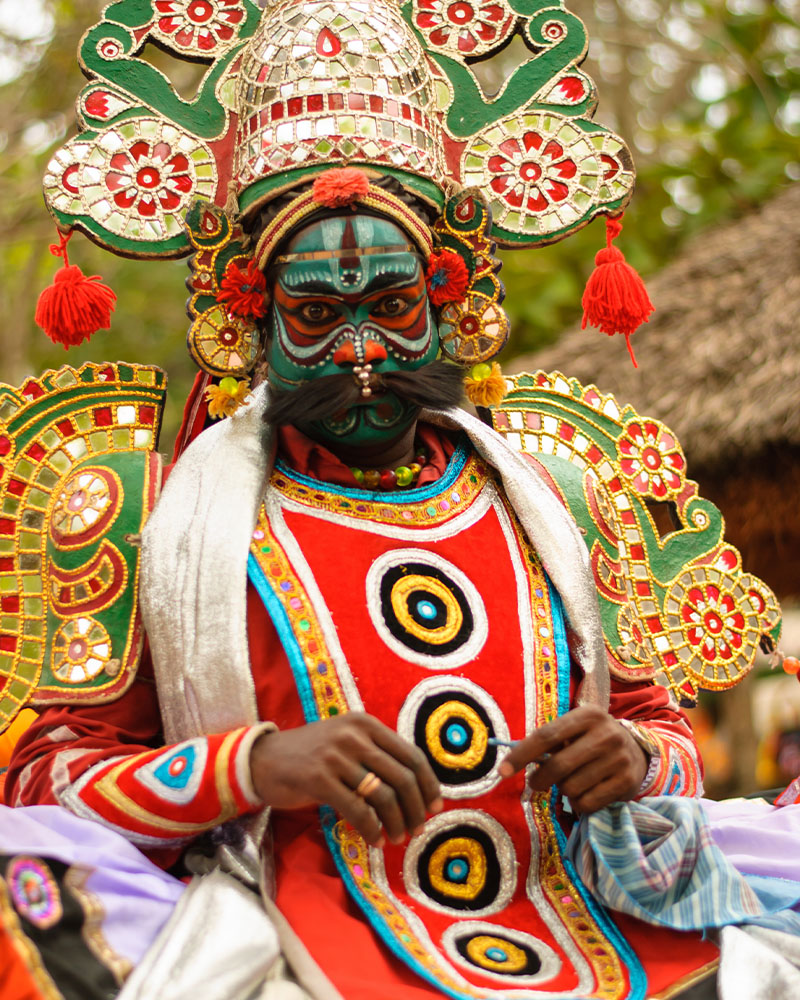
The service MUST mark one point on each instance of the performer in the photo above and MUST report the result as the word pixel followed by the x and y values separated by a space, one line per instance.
pixel 356 596
pixel 397 607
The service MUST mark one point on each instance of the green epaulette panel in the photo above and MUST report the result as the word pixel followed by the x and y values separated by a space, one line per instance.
pixel 675 601
pixel 79 475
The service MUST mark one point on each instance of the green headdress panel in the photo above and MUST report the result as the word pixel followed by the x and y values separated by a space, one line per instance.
pixel 302 86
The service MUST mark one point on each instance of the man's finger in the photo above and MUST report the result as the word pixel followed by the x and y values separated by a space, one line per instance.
pixel 411 757
pixel 535 748
pixel 355 810
pixel 562 764
pixel 378 794
pixel 581 780
pixel 601 795
pixel 399 796
pixel 550 737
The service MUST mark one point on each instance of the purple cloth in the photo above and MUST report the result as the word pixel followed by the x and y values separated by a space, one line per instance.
pixel 758 838
pixel 137 896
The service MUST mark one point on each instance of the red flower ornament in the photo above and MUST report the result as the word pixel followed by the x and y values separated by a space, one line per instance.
pixel 651 459
pixel 340 186
pixel 447 278
pixel 242 292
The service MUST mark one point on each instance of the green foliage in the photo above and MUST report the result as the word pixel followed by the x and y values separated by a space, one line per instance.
pixel 707 93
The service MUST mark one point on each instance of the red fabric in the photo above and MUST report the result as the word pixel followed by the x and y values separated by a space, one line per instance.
pixel 667 955
pixel 218 799
pixel 309 890
pixel 90 733
pixel 16 980
pixel 195 412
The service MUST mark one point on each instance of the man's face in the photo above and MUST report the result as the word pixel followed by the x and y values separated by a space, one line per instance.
pixel 337 314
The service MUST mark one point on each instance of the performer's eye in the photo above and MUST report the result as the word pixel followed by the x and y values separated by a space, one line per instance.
pixel 392 305
pixel 317 312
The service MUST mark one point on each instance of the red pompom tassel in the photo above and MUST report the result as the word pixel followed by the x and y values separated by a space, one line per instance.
pixel 615 300
pixel 74 307
pixel 340 186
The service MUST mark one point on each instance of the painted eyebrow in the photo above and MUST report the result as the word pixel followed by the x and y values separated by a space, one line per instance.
pixel 314 286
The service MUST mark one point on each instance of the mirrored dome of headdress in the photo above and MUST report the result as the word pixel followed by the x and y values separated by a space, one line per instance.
pixel 327 81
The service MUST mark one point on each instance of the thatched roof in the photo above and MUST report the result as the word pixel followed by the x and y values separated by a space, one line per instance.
pixel 719 362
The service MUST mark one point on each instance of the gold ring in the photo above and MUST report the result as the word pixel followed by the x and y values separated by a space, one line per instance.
pixel 368 784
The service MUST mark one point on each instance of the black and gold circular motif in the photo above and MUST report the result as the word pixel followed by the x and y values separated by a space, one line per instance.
pixel 453 730
pixel 497 953
pixel 459 868
pixel 425 609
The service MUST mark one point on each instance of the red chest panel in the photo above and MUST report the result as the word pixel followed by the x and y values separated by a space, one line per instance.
pixel 434 616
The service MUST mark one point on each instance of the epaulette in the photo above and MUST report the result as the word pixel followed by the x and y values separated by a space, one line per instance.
pixel 79 474
pixel 675 602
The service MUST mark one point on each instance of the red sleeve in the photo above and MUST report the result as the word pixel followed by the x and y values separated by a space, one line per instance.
pixel 107 763
pixel 66 740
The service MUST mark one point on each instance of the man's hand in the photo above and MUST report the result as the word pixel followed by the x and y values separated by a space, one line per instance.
pixel 592 759
pixel 324 762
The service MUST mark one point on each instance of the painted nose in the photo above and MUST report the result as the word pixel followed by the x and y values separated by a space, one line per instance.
pixel 345 353
pixel 374 352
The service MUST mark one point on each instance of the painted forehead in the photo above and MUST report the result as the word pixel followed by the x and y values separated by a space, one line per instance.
pixel 344 272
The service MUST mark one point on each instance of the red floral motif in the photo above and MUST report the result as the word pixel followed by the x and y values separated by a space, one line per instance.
pixel 447 278
pixel 713 623
pixel 242 292
pixel 340 186
pixel 468 27
pixel 149 178
pixel 530 173
pixel 199 24
pixel 651 459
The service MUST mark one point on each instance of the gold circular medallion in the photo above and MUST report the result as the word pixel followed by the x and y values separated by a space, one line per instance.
pixel 496 954
pixel 407 589
pixel 457 868
pixel 459 722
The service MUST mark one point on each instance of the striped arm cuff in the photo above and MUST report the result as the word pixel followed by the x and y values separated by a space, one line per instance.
pixel 170 795
pixel 674 762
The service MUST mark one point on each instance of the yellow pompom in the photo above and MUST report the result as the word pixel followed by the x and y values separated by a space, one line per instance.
pixel 226 398
pixel 485 386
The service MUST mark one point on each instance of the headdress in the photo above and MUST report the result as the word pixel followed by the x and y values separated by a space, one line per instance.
pixel 304 86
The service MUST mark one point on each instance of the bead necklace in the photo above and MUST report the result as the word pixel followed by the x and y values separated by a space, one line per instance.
pixel 391 479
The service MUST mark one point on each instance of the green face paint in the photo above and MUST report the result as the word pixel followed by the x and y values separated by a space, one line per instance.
pixel 333 314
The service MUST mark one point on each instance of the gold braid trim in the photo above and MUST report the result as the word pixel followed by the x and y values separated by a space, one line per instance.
pixel 75 880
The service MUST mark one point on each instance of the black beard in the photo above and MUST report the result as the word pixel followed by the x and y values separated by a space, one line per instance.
pixel 438 384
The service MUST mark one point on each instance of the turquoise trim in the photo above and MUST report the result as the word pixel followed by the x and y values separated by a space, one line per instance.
pixel 400 497
pixel 561 647
pixel 636 971
pixel 284 629
pixel 373 916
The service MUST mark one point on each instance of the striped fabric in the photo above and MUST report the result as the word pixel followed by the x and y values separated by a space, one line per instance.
pixel 657 861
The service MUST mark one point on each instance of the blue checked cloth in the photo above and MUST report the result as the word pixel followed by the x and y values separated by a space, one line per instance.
pixel 657 861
